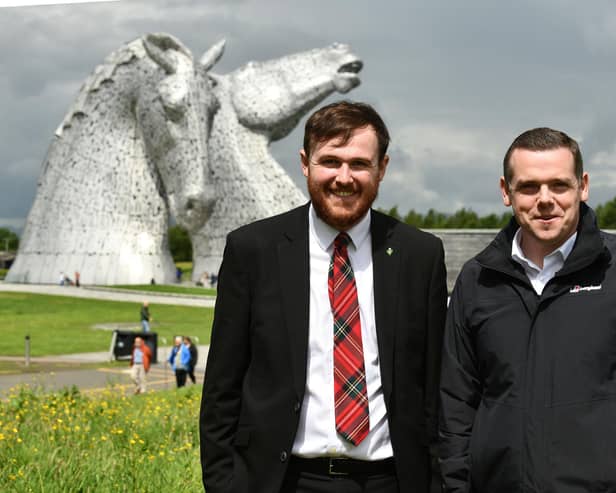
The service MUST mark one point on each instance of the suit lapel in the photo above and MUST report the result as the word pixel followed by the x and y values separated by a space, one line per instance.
pixel 294 269
pixel 385 268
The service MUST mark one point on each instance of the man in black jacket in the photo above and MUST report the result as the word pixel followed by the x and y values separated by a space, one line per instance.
pixel 290 404
pixel 528 385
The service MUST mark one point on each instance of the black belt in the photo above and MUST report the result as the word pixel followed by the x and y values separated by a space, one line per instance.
pixel 343 466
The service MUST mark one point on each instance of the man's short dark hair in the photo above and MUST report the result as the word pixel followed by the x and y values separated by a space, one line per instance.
pixel 341 119
pixel 543 139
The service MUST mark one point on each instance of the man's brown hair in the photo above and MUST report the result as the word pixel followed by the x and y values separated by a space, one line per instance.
pixel 543 139
pixel 341 119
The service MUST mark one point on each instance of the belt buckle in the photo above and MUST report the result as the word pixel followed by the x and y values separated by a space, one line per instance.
pixel 331 468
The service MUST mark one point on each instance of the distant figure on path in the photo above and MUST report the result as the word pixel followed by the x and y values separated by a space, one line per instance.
pixel 145 317
pixel 77 276
pixel 203 280
pixel 179 359
pixel 140 364
pixel 194 356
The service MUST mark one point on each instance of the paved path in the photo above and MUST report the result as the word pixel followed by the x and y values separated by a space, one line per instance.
pixel 110 294
pixel 95 380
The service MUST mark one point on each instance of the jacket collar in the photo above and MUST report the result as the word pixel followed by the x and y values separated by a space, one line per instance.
pixel 588 247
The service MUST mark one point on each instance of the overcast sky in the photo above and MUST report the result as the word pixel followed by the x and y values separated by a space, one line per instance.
pixel 454 81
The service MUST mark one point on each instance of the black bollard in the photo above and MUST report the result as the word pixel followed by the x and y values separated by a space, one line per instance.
pixel 27 350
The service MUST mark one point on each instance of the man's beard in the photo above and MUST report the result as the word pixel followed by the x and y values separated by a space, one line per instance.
pixel 342 221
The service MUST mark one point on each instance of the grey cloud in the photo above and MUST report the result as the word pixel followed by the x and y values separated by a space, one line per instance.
pixel 495 69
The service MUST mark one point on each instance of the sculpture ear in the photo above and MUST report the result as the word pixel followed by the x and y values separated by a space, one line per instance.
pixel 211 56
pixel 156 44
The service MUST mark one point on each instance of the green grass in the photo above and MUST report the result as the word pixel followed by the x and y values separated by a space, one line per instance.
pixel 169 288
pixel 67 442
pixel 63 325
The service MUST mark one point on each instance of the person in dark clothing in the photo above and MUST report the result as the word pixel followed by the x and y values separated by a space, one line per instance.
pixel 145 316
pixel 528 387
pixel 194 355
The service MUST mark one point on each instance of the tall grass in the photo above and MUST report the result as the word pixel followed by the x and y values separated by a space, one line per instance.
pixel 68 442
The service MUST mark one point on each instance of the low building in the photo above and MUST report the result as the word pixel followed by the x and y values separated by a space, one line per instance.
pixel 6 259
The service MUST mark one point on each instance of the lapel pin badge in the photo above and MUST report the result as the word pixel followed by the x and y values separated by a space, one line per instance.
pixel 389 251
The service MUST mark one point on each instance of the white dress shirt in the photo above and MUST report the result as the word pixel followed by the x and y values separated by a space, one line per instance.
pixel 316 434
pixel 552 262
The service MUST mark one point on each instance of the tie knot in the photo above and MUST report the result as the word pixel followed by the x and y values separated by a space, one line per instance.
pixel 342 241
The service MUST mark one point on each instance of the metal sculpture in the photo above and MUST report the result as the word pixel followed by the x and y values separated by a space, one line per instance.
pixel 131 149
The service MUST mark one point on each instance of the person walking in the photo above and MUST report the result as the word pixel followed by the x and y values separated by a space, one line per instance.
pixel 179 359
pixel 145 317
pixel 194 356
pixel 140 359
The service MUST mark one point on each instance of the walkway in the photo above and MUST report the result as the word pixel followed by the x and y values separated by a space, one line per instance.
pixel 96 380
pixel 101 293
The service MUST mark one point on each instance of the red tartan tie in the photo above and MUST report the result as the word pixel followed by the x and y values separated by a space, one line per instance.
pixel 351 397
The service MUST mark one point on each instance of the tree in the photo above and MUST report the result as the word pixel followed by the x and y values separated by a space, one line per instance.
pixel 393 212
pixel 606 214
pixel 414 219
pixel 8 240
pixel 180 244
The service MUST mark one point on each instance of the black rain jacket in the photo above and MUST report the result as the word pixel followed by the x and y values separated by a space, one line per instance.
pixel 528 385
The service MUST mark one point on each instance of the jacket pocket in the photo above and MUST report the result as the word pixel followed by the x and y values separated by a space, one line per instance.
pixel 495 448
pixel 580 448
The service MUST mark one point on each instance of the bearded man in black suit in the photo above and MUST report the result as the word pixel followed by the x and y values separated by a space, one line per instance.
pixel 323 368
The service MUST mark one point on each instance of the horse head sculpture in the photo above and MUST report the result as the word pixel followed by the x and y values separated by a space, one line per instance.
pixel 259 103
pixel 131 150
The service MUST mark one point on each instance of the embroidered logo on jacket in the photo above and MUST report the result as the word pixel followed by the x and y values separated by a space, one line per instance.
pixel 578 288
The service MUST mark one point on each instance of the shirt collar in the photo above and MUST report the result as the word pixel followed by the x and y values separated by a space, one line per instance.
pixel 326 235
pixel 562 251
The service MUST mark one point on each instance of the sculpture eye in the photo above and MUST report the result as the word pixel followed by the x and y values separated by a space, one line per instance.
pixel 174 111
pixel 174 96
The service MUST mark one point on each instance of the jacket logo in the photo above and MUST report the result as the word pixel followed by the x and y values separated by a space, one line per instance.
pixel 577 288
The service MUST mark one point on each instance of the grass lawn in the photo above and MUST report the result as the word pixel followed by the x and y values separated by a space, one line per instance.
pixel 62 325
pixel 169 288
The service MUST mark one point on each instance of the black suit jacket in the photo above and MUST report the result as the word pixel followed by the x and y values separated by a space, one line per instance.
pixel 256 369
